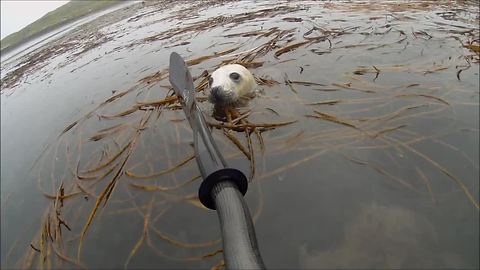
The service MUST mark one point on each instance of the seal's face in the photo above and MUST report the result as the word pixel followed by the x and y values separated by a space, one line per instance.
pixel 228 84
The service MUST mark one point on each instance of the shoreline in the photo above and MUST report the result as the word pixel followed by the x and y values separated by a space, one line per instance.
pixel 15 45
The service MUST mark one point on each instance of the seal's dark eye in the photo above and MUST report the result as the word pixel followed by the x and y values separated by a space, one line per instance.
pixel 210 80
pixel 234 76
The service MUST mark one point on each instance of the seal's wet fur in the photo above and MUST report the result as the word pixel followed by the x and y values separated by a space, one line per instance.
pixel 231 84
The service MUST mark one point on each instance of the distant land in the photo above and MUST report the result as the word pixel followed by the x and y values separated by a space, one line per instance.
pixel 67 13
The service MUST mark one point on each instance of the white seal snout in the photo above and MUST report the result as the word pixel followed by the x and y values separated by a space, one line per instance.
pixel 229 84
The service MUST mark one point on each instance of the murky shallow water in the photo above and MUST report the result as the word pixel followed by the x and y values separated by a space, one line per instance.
pixel 383 175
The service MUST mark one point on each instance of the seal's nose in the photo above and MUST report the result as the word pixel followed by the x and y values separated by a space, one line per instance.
pixel 216 94
pixel 215 91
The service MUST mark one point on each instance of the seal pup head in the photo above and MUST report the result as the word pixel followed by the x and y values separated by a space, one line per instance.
pixel 230 84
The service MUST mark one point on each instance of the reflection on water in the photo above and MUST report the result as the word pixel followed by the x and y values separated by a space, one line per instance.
pixel 396 238
pixel 362 151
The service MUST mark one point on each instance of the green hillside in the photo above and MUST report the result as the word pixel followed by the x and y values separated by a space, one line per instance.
pixel 56 18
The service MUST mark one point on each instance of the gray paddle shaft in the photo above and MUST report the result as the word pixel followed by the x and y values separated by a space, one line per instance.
pixel 222 187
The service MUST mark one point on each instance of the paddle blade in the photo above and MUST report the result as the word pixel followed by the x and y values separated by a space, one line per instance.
pixel 180 78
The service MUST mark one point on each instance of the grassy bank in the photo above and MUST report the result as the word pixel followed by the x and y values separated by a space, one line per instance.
pixel 69 12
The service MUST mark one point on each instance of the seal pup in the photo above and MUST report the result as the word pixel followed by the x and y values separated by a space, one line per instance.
pixel 231 85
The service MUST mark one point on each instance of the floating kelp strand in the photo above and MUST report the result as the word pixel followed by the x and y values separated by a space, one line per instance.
pixel 177 243
pixel 326 102
pixel 386 130
pixel 104 196
pixel 289 48
pixel 426 96
pixel 121 114
pixel 382 171
pixel 110 161
pixel 251 153
pixel 250 125
pixel 260 140
pixel 427 183
pixel 265 81
pixel 349 87
pixel 162 188
pixel 144 234
pixel 435 139
pixel 153 175
pixel 332 118
pixel 442 169
pixel 289 84
pixel 110 131
pixel 237 143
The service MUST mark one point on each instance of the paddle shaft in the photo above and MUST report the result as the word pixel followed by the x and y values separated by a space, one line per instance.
pixel 222 188
pixel 240 248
